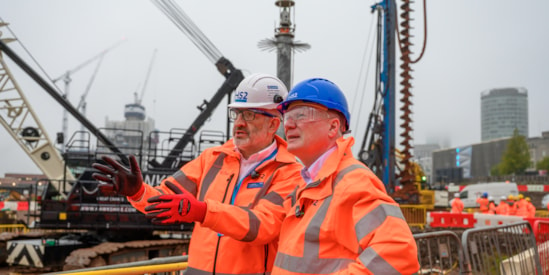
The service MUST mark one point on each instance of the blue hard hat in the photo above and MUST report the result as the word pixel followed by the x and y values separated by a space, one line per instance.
pixel 485 195
pixel 320 91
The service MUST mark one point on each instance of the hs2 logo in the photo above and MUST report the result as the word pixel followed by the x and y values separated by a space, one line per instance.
pixel 241 96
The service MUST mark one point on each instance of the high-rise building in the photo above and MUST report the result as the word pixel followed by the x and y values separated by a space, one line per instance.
pixel 502 111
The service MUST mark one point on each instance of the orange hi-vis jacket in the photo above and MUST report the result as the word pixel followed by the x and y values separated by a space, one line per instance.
pixel 522 208
pixel 344 223
pixel 491 208
pixel 457 205
pixel 512 207
pixel 483 202
pixel 502 208
pixel 531 210
pixel 233 239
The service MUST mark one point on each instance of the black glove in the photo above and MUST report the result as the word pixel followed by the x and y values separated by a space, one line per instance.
pixel 117 178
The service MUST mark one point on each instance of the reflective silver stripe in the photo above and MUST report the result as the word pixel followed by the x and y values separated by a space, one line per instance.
pixel 292 195
pixel 253 227
pixel 210 176
pixel 194 271
pixel 274 198
pixel 375 218
pixel 185 182
pixel 370 259
pixel 311 262
pixel 265 187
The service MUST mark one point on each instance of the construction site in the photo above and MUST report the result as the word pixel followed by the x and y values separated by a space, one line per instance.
pixel 58 221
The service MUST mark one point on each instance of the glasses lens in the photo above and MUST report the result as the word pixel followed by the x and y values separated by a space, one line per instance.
pixel 248 115
pixel 233 114
pixel 304 114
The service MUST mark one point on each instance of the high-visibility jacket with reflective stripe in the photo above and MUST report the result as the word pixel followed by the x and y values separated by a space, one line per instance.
pixel 344 223
pixel 232 239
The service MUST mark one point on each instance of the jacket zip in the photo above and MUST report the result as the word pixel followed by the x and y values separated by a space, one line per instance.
pixel 219 237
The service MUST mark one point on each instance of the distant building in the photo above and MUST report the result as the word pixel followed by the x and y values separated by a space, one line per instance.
pixel 423 155
pixel 476 160
pixel 539 148
pixel 133 134
pixel 16 178
pixel 460 163
pixel 502 111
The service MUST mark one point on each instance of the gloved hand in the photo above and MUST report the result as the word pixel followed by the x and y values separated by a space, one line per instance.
pixel 181 207
pixel 116 178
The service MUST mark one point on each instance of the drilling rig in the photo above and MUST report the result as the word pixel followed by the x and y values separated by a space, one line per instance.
pixel 394 167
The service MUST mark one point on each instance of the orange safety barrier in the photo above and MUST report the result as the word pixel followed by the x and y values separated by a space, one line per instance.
pixel 447 219
pixel 541 232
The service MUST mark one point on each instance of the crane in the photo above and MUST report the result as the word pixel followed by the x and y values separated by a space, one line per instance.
pixel 139 99
pixel 66 77
pixel 23 124
pixel 232 76
pixel 136 111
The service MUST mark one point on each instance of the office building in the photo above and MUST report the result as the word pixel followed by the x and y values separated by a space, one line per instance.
pixel 502 111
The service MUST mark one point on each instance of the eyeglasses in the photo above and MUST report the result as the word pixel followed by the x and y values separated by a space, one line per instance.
pixel 247 114
pixel 303 114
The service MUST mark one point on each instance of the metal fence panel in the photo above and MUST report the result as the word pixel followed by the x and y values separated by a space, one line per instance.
pixel 440 252
pixel 504 249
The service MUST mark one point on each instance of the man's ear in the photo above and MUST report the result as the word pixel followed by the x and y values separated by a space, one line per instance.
pixel 274 124
pixel 335 126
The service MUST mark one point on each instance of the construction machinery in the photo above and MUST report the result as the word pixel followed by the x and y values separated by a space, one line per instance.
pixel 394 167
pixel 79 226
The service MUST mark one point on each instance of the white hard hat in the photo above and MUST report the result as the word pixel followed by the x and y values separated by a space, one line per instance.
pixel 259 91
pixel 503 197
pixel 456 195
pixel 490 198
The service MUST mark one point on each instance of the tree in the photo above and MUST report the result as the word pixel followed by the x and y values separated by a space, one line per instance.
pixel 543 164
pixel 516 158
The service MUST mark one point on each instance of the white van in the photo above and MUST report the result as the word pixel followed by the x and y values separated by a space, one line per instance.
pixel 496 190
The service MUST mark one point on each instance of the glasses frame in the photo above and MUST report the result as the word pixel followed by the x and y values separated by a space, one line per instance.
pixel 234 112
pixel 314 114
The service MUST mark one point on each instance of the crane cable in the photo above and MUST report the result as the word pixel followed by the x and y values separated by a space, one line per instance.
pixel 30 55
pixel 187 26
pixel 361 83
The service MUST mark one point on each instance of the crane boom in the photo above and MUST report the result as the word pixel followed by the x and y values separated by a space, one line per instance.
pixel 22 123
pixel 67 79
pixel 140 98
pixel 67 105
pixel 232 76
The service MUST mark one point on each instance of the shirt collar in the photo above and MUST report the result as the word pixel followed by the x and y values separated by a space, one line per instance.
pixel 259 156
pixel 310 173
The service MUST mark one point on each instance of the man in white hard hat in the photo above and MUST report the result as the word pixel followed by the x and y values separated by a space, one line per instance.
pixel 234 192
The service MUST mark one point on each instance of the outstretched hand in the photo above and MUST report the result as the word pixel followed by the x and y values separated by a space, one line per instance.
pixel 117 178
pixel 181 207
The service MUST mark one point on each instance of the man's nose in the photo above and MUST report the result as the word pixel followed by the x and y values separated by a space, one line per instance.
pixel 239 119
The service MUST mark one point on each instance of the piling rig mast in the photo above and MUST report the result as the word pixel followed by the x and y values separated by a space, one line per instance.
pixel 380 153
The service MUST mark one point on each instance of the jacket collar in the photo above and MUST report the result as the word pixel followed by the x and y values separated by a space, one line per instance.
pixel 282 156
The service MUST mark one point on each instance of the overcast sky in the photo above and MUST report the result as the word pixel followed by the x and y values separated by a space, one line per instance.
pixel 472 46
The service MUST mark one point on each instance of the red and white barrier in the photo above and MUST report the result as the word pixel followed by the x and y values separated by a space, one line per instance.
pixel 440 219
pixel 15 205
